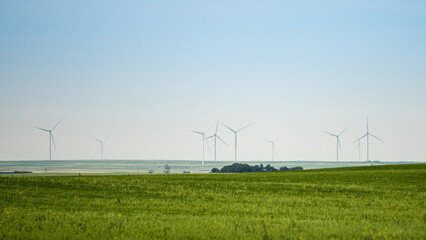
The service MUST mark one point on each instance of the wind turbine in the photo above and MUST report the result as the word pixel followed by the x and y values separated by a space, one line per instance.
pixel 215 136
pixel 51 138
pixel 102 145
pixel 203 133
pixel 358 146
pixel 339 146
pixel 367 134
pixel 235 133
pixel 273 147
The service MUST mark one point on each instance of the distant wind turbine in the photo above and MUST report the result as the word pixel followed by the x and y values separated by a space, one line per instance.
pixel 51 138
pixel 339 146
pixel 367 134
pixel 203 133
pixel 358 146
pixel 235 133
pixel 102 145
pixel 273 147
pixel 215 136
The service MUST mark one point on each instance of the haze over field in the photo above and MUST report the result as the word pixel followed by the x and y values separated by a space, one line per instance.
pixel 147 72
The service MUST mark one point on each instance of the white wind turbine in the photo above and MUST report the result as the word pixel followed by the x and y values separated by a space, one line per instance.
pixel 339 146
pixel 367 134
pixel 235 133
pixel 203 133
pixel 51 138
pixel 358 146
pixel 102 145
pixel 215 136
pixel 273 147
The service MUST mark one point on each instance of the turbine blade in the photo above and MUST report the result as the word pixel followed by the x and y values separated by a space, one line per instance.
pixel 367 122
pixel 41 129
pixel 357 146
pixel 343 131
pixel 208 128
pixel 361 138
pixel 98 141
pixel 217 125
pixel 53 140
pixel 107 138
pixel 222 141
pixel 56 124
pixel 334 135
pixel 377 138
pixel 232 130
pixel 273 147
pixel 209 137
pixel 244 127
pixel 207 142
pixel 340 145
pixel 196 132
pixel 269 141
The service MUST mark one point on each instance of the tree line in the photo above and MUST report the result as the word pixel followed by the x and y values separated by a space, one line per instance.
pixel 243 168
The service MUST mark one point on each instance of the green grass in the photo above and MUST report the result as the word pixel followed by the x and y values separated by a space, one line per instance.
pixel 381 202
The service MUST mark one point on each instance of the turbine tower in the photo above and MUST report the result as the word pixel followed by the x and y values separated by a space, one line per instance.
pixel 203 133
pixel 102 146
pixel 235 133
pixel 367 134
pixel 215 136
pixel 51 138
pixel 339 146
pixel 273 147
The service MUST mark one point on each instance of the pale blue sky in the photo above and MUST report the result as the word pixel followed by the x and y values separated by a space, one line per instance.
pixel 145 72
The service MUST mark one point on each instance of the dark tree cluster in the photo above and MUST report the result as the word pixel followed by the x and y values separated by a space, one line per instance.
pixel 243 168
pixel 16 171
pixel 290 169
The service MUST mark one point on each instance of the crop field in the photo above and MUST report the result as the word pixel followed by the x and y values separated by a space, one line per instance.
pixel 377 202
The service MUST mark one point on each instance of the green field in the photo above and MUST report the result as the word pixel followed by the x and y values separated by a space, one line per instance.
pixel 378 202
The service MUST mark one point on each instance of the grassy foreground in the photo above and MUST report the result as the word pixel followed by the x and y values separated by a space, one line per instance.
pixel 380 202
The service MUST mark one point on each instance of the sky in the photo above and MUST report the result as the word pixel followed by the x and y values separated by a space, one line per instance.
pixel 145 73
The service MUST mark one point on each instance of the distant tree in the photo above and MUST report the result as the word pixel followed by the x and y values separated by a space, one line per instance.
pixel 257 168
pixel 215 170
pixel 290 169
pixel 269 168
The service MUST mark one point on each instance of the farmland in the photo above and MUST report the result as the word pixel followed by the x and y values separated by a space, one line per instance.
pixel 375 202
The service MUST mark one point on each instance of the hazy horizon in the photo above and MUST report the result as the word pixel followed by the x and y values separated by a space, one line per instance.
pixel 224 161
pixel 145 73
